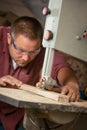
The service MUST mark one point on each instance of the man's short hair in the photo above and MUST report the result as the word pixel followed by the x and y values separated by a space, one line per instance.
pixel 30 27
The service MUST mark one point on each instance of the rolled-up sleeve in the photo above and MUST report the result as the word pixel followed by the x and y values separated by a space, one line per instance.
pixel 58 63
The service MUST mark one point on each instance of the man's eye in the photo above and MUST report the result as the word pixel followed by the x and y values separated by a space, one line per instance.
pixel 32 52
pixel 22 50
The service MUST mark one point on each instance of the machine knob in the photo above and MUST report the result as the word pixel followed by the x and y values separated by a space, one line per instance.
pixel 48 35
pixel 45 11
pixel 78 37
pixel 85 34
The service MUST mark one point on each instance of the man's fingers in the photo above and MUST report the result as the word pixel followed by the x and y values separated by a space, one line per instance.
pixel 73 95
pixel 9 80
pixel 64 91
pixel 2 83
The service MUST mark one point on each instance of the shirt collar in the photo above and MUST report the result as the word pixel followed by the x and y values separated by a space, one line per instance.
pixel 14 64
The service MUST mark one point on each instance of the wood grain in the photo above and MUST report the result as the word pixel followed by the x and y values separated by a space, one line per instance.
pixel 48 94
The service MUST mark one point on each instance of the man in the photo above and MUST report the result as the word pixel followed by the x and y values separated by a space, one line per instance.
pixel 21 60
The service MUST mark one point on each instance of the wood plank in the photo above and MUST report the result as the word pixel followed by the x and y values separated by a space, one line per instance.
pixel 25 96
pixel 26 99
pixel 48 94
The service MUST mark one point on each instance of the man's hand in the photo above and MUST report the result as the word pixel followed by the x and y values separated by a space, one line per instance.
pixel 71 90
pixel 68 84
pixel 8 80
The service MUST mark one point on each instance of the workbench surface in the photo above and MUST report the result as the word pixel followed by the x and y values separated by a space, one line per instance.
pixel 24 99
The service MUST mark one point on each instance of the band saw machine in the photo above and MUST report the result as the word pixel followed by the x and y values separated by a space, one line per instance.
pixel 65 30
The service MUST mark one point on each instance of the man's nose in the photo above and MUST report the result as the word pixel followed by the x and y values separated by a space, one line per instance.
pixel 25 57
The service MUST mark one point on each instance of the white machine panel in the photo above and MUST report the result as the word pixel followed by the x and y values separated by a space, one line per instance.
pixel 67 22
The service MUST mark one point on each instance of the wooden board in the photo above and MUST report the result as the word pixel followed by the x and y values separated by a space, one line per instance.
pixel 45 93
pixel 24 99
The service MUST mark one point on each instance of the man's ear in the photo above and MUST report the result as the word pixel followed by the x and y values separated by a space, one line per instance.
pixel 9 38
